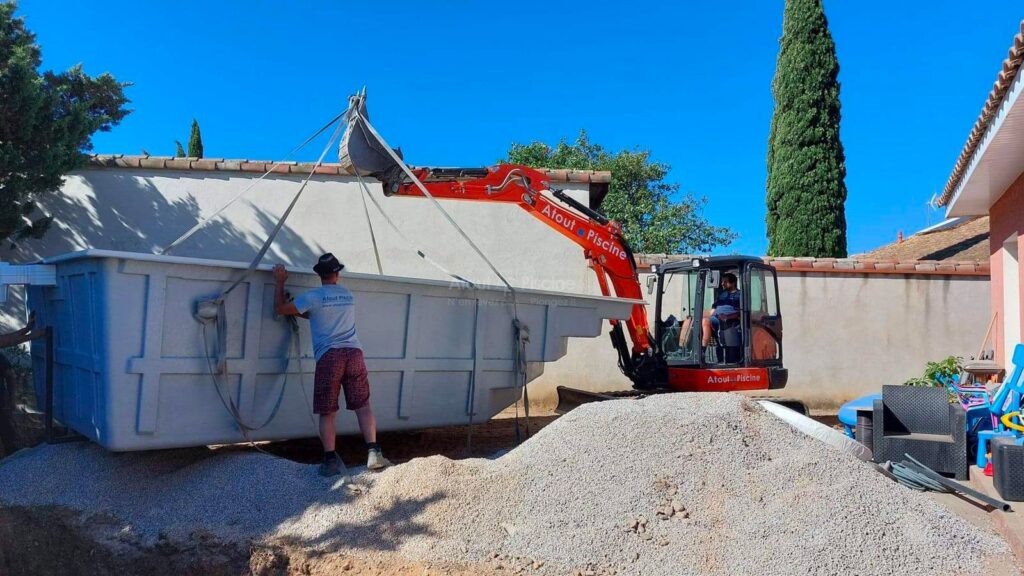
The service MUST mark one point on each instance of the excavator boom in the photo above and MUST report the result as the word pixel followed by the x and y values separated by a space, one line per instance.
pixel 604 246
pixel 601 239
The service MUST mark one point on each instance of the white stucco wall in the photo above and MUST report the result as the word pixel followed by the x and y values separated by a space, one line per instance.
pixel 143 210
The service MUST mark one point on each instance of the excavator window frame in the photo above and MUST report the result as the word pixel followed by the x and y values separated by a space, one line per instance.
pixel 774 321
pixel 745 270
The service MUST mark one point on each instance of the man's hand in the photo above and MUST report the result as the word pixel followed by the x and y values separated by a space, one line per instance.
pixel 280 274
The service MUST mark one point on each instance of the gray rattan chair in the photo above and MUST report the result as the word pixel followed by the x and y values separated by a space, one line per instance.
pixel 921 422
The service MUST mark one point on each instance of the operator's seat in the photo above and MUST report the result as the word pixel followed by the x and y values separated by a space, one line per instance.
pixel 729 339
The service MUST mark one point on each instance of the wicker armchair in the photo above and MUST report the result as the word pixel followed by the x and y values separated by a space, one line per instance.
pixel 921 422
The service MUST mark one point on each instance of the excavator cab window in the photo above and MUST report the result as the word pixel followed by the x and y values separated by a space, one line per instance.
pixel 679 336
pixel 765 341
pixel 685 304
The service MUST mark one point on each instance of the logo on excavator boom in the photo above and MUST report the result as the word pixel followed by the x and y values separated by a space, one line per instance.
pixel 607 245
pixel 592 236
pixel 568 223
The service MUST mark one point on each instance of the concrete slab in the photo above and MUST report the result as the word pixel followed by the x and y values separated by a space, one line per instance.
pixel 1010 525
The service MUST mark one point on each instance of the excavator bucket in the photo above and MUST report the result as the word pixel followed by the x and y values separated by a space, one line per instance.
pixel 360 151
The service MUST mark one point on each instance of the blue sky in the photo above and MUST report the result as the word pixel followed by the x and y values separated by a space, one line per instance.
pixel 454 83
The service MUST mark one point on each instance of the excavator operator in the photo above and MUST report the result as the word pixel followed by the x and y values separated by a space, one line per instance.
pixel 725 308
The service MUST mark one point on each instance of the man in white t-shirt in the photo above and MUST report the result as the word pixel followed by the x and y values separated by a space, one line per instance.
pixel 331 312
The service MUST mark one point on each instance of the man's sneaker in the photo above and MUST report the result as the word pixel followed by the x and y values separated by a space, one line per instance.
pixel 376 460
pixel 332 466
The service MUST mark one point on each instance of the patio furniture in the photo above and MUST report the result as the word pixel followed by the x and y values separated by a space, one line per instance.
pixel 921 422
pixel 1007 397
pixel 848 416
pixel 1008 468
pixel 984 437
pixel 976 401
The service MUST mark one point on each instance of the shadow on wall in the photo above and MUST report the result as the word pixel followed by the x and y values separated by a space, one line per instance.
pixel 122 211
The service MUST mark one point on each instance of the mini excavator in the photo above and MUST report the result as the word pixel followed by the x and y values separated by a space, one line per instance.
pixel 681 351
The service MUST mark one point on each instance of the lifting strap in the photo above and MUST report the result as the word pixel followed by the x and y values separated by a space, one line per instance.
pixel 519 358
pixel 405 168
pixel 221 318
pixel 373 237
pixel 280 222
pixel 394 227
pixel 216 213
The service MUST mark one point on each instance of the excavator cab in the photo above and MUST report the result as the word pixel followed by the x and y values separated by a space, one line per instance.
pixel 718 324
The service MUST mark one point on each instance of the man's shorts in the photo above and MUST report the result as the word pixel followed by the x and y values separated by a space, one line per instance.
pixel 340 368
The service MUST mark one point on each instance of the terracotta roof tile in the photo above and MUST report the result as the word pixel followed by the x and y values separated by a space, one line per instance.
pixel 1004 79
pixel 288 167
pixel 966 242
pixel 158 162
pixel 178 164
pixel 204 164
pixel 248 166
pixel 846 266
pixel 127 162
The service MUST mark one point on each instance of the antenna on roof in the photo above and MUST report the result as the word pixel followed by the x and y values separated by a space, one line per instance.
pixel 931 206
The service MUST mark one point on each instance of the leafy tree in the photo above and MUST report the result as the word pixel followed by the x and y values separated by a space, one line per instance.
pixel 195 141
pixel 654 216
pixel 180 152
pixel 47 120
pixel 806 163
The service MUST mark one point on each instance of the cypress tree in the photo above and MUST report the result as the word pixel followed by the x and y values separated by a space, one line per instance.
pixel 806 163
pixel 179 152
pixel 195 141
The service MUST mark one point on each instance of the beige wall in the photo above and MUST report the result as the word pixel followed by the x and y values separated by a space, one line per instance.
pixel 845 335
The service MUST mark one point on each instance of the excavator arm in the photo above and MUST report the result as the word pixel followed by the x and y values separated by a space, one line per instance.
pixel 601 239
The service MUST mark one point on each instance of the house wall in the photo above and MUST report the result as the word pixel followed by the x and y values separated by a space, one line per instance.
pixel 1006 219
pixel 845 335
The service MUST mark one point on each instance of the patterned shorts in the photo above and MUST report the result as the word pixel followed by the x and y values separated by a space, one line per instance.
pixel 340 368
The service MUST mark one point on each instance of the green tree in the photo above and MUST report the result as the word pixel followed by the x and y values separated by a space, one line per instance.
pixel 195 141
pixel 179 152
pixel 806 164
pixel 655 217
pixel 47 120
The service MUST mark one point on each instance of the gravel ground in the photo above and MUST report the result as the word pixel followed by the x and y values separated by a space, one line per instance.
pixel 673 484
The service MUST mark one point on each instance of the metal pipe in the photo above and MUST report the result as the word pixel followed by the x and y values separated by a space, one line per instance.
pixel 48 406
pixel 956 486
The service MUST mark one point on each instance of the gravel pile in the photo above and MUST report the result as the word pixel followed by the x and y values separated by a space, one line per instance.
pixel 675 484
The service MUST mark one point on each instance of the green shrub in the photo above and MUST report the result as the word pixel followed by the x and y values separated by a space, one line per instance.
pixel 935 373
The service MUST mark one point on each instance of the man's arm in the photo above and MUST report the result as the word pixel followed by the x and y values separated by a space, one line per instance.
pixel 20 336
pixel 281 307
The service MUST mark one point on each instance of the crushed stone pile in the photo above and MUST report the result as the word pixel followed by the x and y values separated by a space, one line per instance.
pixel 669 485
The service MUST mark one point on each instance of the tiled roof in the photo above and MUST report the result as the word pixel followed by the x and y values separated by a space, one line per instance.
pixel 851 265
pixel 1003 82
pixel 261 166
pixel 966 241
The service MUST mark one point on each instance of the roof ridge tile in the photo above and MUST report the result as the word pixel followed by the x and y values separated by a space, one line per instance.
pixel 286 166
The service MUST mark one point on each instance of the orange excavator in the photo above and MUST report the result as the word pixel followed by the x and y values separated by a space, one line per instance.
pixel 691 347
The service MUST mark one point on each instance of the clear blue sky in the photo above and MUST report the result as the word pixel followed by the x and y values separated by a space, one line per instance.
pixel 454 83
